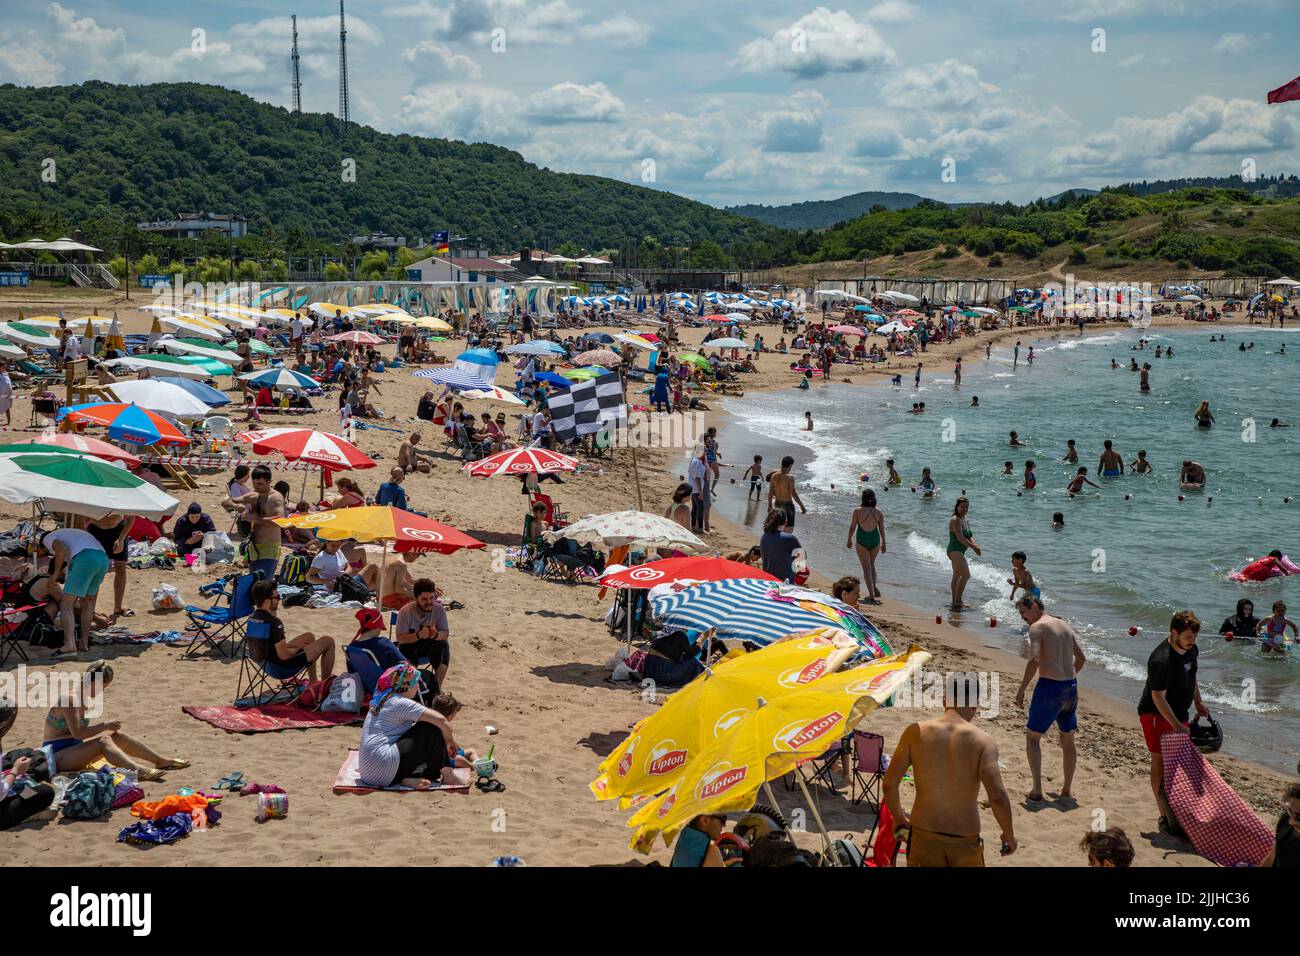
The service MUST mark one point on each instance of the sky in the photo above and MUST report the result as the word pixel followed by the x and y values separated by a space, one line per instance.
pixel 757 101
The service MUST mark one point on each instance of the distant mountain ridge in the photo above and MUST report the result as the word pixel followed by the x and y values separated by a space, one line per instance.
pixel 821 213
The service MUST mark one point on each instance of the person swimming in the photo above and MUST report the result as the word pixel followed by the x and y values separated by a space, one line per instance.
pixel 1007 468
pixel 1071 453
pixel 1272 630
pixel 975 402
pixel 894 477
pixel 1192 475
pixel 927 485
pixel 1078 481
pixel 1030 480
pixel 1058 521
pixel 1015 439
pixel 1111 465
pixel 1141 466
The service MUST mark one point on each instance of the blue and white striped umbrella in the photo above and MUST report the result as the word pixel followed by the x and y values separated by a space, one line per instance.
pixel 454 377
pixel 537 347
pixel 281 378
pixel 481 363
pixel 600 302
pixel 748 609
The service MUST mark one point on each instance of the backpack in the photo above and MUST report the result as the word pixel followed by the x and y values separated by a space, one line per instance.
pixel 90 796
pixel 40 766
pixel 293 570
pixel 350 589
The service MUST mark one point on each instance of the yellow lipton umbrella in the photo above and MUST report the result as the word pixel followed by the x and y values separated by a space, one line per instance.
pixel 655 755
pixel 770 741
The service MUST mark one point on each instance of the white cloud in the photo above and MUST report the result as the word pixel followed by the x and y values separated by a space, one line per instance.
pixel 1233 43
pixel 951 84
pixel 433 59
pixel 796 127
pixel 619 31
pixel 879 142
pixel 218 60
pixel 575 103
pixel 24 65
pixel 818 43
pixel 83 36
pixel 472 114
pixel 894 11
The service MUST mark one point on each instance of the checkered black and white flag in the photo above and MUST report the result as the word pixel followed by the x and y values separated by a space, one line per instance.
pixel 588 407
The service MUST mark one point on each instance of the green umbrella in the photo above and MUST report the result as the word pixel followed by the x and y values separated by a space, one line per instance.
pixel 260 347
pixel 80 485
pixel 694 359
pixel 583 374
pixel 211 366
pixel 27 448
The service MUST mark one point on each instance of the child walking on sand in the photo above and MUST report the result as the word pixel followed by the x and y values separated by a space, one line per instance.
pixel 755 475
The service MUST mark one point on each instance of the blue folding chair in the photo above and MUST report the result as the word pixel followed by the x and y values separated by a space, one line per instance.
pixel 268 680
pixel 224 620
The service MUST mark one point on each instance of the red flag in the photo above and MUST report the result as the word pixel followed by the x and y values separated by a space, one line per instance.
pixel 1288 91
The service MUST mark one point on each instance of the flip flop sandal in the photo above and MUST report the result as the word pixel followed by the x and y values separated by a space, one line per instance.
pixel 149 776
pixel 455 606
pixel 231 781
pixel 491 786
pixel 125 612
pixel 176 765
pixel 62 655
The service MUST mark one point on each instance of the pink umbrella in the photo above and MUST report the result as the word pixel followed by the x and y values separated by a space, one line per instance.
pixel 86 445
pixel 847 330
pixel 598 357
pixel 357 338
pixel 907 312
pixel 521 461
pixel 331 452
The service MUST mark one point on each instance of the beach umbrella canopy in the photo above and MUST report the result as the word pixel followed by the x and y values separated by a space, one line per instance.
pixel 128 423
pixel 194 325
pixel 306 444
pixel 1282 281
pixel 982 310
pixel 166 365
pixel 550 378
pixel 769 741
pixel 407 531
pixel 12 351
pixel 727 343
pixel 357 338
pixel 192 347
pixel 642 577
pixel 907 312
pixel 24 334
pixel 480 362
pixel 457 378
pixel 281 378
pixel 598 357
pixel 694 359
pixel 740 307
pixel 603 337
pixel 72 444
pixel 630 527
pixel 521 461
pixel 536 347
pixel 493 393
pixel 81 485
pixel 212 397
pixel 584 374
pixel 160 396
pixel 211 366
pixel 847 330
pixel 762 612
pixel 658 751
pixel 434 323
pixel 889 328
pixel 645 342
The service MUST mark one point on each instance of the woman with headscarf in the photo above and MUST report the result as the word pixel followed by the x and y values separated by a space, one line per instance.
pixel 403 743
pixel 1243 623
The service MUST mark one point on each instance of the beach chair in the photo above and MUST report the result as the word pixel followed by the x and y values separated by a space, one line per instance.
pixel 13 633
pixel 819 769
pixel 267 681
pixel 555 518
pixel 868 767
pixel 219 429
pixel 224 620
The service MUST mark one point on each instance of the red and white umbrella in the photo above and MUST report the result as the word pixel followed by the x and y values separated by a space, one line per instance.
pixel 305 444
pixel 86 445
pixel 654 573
pixel 357 338
pixel 521 461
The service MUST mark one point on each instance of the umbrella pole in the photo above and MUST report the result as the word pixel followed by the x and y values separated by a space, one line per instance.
pixel 302 495
pixel 821 827
pixel 382 561
pixel 636 476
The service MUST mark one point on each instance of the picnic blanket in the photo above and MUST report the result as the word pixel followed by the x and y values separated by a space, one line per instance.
pixel 1222 827
pixel 349 780
pixel 269 718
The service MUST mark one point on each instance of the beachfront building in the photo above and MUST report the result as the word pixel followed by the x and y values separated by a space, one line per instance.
pixel 193 225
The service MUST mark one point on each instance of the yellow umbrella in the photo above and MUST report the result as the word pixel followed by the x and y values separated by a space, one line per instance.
pixel 434 323
pixel 114 338
pixel 770 741
pixel 655 755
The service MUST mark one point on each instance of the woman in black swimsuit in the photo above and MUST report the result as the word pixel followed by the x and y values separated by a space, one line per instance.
pixel 111 531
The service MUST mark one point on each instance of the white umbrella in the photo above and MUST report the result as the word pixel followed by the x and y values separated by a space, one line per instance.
pixel 136 362
pixel 985 311
pixel 904 296
pixel 233 318
pixel 177 347
pixel 739 307
pixel 1282 281
pixel 891 327
pixel 12 351
pixel 494 394
pixel 725 344
pixel 36 341
pixel 113 492
pixel 629 527
pixel 187 324
pixel 160 397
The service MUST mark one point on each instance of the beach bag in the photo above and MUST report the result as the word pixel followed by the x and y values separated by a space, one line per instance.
pixel 351 590
pixel 218 548
pixel 40 766
pixel 90 796
pixel 293 570
pixel 344 695
pixel 165 597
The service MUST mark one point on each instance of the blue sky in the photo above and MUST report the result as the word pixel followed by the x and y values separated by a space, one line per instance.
pixel 755 101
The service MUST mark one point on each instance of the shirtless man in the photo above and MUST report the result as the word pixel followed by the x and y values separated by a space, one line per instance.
pixel 781 492
pixel 261 505
pixel 1192 474
pixel 950 758
pixel 1055 655
pixel 395 577
pixel 1071 453
pixel 1111 464
pixel 409 456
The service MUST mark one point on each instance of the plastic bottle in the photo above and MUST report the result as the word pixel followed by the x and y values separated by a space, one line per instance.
pixel 200 564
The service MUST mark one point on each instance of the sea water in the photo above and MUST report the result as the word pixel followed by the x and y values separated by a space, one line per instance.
pixel 1130 554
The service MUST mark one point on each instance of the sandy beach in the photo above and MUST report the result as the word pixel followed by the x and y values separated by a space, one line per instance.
pixel 528 659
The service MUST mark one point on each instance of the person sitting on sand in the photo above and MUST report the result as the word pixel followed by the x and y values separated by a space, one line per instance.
pixel 848 589
pixel 950 759
pixel 329 569
pixel 349 496
pixel 410 456
pixel 305 650
pixel 404 743
pixel 391 492
pixel 422 630
pixel 370 637
pixel 21 797
pixel 76 744
pixel 697 844
pixel 1055 655
pixel 1107 848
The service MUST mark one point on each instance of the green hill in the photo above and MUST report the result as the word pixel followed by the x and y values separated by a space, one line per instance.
pixel 137 153
pixel 821 213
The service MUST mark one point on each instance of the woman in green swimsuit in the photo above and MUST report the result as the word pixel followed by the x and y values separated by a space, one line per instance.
pixel 867 533
pixel 959 539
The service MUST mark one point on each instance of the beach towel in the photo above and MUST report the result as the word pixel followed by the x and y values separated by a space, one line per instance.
pixel 1222 827
pixel 349 780
pixel 271 717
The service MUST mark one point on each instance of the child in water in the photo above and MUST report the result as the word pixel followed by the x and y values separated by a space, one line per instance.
pixel 927 483
pixel 1030 480
pixel 1058 521
pixel 894 477
pixel 1078 481
pixel 755 475
pixel 1021 579
pixel 1272 630
pixel 1141 466
pixel 1007 468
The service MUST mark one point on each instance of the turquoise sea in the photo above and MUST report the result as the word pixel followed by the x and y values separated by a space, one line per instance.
pixel 1130 555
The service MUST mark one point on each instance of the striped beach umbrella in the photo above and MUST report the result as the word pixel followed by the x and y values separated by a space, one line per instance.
pixel 73 444
pixel 80 485
pixel 762 612
pixel 521 461
pixel 129 423
pixel 32 335
pixel 169 365
pixel 306 444
pixel 537 347
pixel 454 377
pixel 357 338
pixel 280 378
pixel 210 396
pixel 199 347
